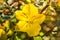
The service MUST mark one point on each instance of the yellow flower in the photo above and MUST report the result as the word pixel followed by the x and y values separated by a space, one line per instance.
pixel 58 2
pixel 2 32
pixel 29 20
pixel 30 1
pixel 6 24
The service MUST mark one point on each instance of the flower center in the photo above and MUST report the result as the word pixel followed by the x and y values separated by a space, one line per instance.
pixel 29 21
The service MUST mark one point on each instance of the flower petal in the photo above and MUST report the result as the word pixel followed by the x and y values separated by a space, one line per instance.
pixel 30 9
pixel 20 15
pixel 38 18
pixel 34 29
pixel 21 25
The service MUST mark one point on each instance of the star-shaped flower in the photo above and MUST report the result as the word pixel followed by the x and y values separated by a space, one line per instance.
pixel 29 20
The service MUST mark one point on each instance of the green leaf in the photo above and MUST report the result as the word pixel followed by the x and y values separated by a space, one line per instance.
pixel 37 38
pixel 23 36
pixel 41 33
pixel 17 38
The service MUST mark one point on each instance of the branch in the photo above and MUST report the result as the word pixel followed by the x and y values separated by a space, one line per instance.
pixel 49 3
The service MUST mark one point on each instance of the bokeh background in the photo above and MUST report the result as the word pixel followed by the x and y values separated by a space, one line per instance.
pixel 50 28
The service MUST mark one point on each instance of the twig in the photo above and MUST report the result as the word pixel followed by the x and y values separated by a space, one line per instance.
pixel 17 3
pixel 51 28
pixel 46 6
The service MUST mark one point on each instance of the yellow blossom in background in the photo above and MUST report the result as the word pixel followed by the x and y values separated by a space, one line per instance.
pixel 6 24
pixel 2 32
pixel 30 1
pixel 58 2
pixel 29 20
